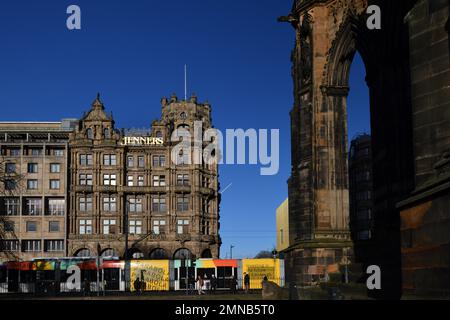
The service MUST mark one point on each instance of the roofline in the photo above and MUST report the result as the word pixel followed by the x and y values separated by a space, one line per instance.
pixel 30 122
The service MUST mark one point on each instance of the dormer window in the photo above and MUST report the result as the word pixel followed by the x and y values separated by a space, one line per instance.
pixel 106 133
pixel 90 133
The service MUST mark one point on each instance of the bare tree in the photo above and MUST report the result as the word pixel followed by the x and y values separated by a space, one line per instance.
pixel 264 254
pixel 10 185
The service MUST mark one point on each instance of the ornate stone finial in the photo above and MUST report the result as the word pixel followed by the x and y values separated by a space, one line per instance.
pixel 164 101
pixel 173 98
pixel 97 102
pixel 193 98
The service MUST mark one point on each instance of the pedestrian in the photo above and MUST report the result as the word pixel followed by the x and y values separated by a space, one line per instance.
pixel 213 284
pixel 233 284
pixel 246 282
pixel 265 278
pixel 87 287
pixel 137 285
pixel 200 285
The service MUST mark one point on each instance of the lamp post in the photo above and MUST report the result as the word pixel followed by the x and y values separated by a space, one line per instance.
pixel 231 251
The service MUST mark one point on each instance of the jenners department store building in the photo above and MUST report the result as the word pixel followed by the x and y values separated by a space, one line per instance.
pixel 71 187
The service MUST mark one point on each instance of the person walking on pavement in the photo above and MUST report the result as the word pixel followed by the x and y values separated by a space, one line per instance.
pixel 137 285
pixel 233 284
pixel 213 284
pixel 200 285
pixel 246 282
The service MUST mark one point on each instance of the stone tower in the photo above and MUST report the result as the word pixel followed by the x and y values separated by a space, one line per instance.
pixel 328 34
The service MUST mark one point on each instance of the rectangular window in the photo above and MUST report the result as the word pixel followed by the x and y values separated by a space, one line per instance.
pixel 135 227
pixel 58 152
pixel 110 204
pixel 159 204
pixel 159 161
pixel 8 226
pixel 130 181
pixel 14 152
pixel 54 184
pixel 135 204
pixel 109 226
pixel 109 180
pixel 53 226
pixel 182 179
pixel 10 167
pixel 364 235
pixel 109 160
pixel 141 162
pixel 10 184
pixel 130 161
pixel 32 168
pixel 159 226
pixel 182 203
pixel 159 181
pixel 364 214
pixel 12 206
pixel 33 207
pixel 32 184
pixel 55 168
pixel 205 227
pixel 86 159
pixel 53 245
pixel 85 226
pixel 85 203
pixel 31 245
pixel 85 179
pixel 36 152
pixel 183 226
pixel 9 245
pixel 31 226
pixel 56 207
pixel 140 181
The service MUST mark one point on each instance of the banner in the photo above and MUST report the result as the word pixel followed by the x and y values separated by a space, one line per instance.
pixel 152 274
pixel 257 269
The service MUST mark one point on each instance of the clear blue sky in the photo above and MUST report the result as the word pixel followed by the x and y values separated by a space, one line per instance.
pixel 133 52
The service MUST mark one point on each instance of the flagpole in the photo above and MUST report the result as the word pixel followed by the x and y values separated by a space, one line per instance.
pixel 185 82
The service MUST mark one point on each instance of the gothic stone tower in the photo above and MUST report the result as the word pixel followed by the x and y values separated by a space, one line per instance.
pixel 328 34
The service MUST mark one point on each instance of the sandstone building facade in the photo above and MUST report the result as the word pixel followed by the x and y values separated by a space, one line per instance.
pixel 33 197
pixel 407 63
pixel 112 186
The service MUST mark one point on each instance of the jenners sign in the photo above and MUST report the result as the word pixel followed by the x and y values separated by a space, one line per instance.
pixel 142 141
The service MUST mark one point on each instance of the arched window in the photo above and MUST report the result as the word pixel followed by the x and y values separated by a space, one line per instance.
pixel 183 126
pixel 183 115
pixel 182 254
pixel 136 254
pixel 83 253
pixel 206 253
pixel 159 134
pixel 108 253
pixel 158 253
pixel 106 133
pixel 89 133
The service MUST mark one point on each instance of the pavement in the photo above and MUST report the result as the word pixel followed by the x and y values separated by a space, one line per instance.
pixel 178 295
